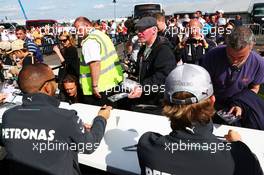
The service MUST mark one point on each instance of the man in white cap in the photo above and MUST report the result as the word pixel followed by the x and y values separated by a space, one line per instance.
pixel 20 50
pixel 22 56
pixel 191 147
pixel 221 21
pixel 3 34
pixel 5 46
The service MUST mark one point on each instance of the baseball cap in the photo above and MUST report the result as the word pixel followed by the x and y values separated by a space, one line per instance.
pixel 188 78
pixel 221 21
pixel 17 45
pixel 186 18
pixel 5 45
pixel 146 22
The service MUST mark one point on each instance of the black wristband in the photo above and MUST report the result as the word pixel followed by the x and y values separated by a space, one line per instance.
pixel 94 86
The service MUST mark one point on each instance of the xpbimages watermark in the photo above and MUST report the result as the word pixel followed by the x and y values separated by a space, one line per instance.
pixel 198 146
pixel 60 146
pixel 44 140
pixel 82 31
pixel 147 89
pixel 213 31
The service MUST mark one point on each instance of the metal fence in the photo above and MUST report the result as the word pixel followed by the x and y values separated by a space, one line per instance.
pixel 256 28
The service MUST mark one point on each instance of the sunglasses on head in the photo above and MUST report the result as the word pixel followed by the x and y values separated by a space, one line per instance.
pixel 53 79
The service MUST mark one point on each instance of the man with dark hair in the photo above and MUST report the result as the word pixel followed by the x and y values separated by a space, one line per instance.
pixel 200 17
pixel 41 138
pixel 238 21
pixel 191 147
pixel 237 73
pixel 100 69
pixel 165 31
pixel 32 47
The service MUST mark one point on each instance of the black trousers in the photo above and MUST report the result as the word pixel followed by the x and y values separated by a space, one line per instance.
pixel 120 104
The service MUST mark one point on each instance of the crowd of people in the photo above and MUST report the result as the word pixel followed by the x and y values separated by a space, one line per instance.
pixel 185 69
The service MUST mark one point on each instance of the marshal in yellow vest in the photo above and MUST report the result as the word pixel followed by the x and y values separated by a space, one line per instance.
pixel 111 71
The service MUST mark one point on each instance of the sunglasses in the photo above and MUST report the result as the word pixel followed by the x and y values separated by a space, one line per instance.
pixel 53 79
pixel 63 40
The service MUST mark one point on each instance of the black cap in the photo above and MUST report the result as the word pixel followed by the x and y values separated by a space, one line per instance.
pixel 146 22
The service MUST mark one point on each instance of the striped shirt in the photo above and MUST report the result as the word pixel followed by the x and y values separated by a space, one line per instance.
pixel 32 47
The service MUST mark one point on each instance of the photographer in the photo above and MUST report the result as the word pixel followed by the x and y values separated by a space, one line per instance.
pixel 195 45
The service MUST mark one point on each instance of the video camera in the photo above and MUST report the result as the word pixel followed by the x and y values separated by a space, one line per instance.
pixel 194 41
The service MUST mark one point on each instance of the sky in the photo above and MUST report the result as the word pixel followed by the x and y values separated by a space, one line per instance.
pixel 65 10
pixel 70 9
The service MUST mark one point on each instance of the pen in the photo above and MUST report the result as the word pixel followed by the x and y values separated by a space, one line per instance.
pixel 130 148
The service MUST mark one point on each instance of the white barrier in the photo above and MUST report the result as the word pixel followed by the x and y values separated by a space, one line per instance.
pixel 124 128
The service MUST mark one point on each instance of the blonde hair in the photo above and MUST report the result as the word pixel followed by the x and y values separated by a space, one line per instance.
pixel 70 38
pixel 182 116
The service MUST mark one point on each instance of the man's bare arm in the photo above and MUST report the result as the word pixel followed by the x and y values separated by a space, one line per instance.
pixel 95 75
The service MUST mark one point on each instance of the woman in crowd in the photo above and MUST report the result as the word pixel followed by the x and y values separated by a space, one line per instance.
pixel 71 91
pixel 68 56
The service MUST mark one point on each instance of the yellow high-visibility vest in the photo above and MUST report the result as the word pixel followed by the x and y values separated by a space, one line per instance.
pixel 111 71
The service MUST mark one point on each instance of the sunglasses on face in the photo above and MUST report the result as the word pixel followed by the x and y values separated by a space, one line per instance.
pixel 53 79
pixel 63 40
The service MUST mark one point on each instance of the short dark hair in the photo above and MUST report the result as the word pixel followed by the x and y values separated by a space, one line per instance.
pixel 159 16
pixel 21 28
pixel 199 11
pixel 70 79
pixel 32 76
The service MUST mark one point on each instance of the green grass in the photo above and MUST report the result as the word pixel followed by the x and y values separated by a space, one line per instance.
pixel 261 91
pixel 261 95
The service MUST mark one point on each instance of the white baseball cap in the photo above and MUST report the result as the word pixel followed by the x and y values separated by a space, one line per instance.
pixel 188 78
pixel 221 21
pixel 5 45
pixel 17 45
